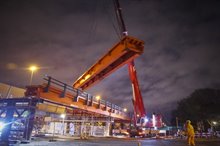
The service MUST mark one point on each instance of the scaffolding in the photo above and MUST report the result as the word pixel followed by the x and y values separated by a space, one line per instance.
pixel 17 118
pixel 38 112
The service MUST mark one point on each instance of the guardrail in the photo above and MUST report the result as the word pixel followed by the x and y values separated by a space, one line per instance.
pixel 78 93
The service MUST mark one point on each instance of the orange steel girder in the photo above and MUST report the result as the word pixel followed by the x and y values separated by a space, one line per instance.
pixel 122 53
pixel 53 94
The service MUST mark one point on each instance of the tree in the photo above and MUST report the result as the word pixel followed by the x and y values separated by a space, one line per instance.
pixel 202 107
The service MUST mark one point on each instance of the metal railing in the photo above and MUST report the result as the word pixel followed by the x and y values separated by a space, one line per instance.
pixel 78 93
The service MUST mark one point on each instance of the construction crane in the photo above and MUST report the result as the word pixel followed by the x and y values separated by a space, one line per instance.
pixel 122 53
pixel 139 110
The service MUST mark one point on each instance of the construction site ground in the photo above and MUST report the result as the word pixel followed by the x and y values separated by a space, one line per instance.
pixel 109 141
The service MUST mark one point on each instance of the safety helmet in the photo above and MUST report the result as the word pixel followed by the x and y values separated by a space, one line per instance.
pixel 188 121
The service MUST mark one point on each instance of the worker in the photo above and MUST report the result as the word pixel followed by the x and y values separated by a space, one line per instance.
pixel 190 133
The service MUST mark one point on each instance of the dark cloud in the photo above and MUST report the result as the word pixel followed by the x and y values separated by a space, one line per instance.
pixel 67 37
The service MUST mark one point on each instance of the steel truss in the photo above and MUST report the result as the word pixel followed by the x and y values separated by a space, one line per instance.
pixel 17 118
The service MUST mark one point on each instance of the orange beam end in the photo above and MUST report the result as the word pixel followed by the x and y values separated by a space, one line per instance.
pixel 122 53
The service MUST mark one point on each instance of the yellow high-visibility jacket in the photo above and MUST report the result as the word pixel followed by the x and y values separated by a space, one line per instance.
pixel 190 130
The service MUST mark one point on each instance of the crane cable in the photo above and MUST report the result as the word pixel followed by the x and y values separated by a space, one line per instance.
pixel 94 24
pixel 117 31
pixel 120 19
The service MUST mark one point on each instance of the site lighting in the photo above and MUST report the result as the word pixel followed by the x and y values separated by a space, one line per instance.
pixel 2 125
pixel 154 120
pixel 214 122
pixel 63 116
pixel 125 109
pixel 146 119
pixel 98 97
pixel 32 68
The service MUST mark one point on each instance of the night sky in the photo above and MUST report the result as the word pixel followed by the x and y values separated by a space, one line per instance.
pixel 66 37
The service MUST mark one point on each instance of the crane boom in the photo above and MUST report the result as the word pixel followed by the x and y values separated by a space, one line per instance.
pixel 139 110
pixel 124 51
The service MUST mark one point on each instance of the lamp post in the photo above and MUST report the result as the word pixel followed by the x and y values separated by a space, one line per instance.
pixel 177 124
pixel 63 117
pixel 32 69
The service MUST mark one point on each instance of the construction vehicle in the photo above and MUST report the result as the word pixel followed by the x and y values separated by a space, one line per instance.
pixel 143 125
pixel 122 53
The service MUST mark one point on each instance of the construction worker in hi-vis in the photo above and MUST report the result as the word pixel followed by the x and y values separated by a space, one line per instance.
pixel 190 133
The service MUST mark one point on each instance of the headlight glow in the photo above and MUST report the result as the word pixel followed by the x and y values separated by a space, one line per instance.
pixel 2 125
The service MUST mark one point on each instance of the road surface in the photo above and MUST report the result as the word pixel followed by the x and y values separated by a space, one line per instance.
pixel 121 142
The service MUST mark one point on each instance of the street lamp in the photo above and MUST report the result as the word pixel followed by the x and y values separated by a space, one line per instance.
pixel 63 117
pixel 32 69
